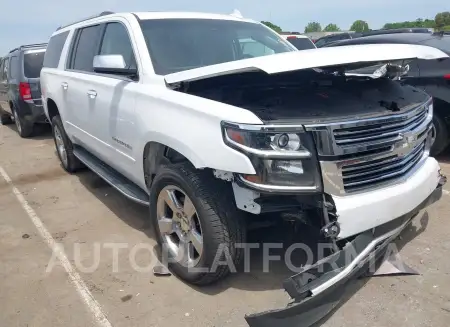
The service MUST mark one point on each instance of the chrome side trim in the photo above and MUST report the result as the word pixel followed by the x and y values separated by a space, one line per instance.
pixel 276 188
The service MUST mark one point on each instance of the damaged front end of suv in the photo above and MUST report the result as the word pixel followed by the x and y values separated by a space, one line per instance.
pixel 338 148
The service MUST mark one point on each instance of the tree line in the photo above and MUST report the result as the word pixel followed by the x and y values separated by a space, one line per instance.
pixel 440 22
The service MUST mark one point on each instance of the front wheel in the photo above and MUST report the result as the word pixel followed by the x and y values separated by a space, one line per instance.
pixel 196 222
pixel 440 135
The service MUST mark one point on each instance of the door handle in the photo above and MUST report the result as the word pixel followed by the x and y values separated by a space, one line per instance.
pixel 92 94
pixel 64 85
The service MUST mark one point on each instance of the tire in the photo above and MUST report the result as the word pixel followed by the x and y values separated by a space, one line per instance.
pixel 222 224
pixel 441 135
pixel 68 160
pixel 5 119
pixel 24 128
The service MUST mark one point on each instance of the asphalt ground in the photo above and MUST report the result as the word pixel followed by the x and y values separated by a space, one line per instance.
pixel 49 218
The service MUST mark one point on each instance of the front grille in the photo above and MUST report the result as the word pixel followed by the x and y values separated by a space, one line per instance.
pixel 379 130
pixel 368 153
pixel 367 174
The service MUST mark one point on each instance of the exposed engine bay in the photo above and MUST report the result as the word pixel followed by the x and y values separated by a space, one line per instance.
pixel 308 96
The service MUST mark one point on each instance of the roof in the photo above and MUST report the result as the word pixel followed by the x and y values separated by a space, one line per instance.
pixel 106 15
pixel 188 15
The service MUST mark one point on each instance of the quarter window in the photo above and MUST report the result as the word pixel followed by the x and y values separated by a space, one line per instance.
pixel 14 67
pixel 116 41
pixel 86 48
pixel 54 50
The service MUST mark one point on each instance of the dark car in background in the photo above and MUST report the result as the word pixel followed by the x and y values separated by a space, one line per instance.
pixel 320 42
pixel 432 76
pixel 20 90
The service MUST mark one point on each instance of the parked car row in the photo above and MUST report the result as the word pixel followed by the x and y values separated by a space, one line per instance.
pixel 20 90
pixel 214 121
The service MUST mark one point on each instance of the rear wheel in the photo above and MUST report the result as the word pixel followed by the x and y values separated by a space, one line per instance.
pixel 196 222
pixel 64 147
pixel 24 128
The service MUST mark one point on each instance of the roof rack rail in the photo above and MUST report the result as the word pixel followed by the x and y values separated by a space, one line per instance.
pixel 29 46
pixel 104 13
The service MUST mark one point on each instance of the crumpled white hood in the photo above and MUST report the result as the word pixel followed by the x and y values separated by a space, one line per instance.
pixel 314 58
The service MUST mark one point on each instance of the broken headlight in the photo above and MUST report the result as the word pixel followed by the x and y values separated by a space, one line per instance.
pixel 284 157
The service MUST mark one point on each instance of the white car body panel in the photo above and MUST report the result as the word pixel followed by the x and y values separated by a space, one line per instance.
pixel 361 212
pixel 313 58
pixel 126 115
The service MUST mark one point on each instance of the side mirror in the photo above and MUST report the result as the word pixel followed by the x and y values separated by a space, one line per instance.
pixel 112 64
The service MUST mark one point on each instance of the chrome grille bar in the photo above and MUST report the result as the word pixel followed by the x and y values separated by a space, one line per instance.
pixel 344 137
pixel 374 152
pixel 382 174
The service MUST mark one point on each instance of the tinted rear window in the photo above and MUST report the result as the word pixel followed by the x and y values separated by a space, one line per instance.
pixel 54 49
pixel 32 64
pixel 301 43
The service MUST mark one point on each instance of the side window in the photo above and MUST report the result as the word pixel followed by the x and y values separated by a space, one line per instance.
pixel 14 67
pixel 86 48
pixel 252 48
pixel 54 49
pixel 116 41
pixel 320 42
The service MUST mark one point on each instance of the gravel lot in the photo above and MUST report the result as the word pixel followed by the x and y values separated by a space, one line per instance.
pixel 82 213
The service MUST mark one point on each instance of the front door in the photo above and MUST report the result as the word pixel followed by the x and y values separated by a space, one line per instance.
pixel 114 112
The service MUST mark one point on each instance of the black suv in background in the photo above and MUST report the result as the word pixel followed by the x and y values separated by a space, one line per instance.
pixel 20 90
pixel 321 42
pixel 433 76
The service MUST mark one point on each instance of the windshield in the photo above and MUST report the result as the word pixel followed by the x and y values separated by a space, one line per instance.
pixel 32 63
pixel 181 44
pixel 301 43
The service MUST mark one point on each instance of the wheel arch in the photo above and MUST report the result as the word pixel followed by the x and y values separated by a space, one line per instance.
pixel 156 154
pixel 442 108
pixel 52 109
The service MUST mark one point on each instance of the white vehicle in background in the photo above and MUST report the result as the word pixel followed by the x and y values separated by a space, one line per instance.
pixel 212 119
pixel 299 41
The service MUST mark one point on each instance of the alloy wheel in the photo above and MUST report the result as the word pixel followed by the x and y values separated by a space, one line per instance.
pixel 179 225
pixel 60 147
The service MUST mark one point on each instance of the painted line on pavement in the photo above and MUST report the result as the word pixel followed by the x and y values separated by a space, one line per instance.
pixel 74 276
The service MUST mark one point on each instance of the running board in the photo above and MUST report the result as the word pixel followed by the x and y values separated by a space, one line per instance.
pixel 111 176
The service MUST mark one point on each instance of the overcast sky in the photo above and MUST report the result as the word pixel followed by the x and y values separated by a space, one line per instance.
pixel 28 21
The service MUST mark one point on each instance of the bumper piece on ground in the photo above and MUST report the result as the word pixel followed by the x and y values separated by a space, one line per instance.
pixel 317 290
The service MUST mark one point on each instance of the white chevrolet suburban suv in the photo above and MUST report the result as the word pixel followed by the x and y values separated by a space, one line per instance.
pixel 172 111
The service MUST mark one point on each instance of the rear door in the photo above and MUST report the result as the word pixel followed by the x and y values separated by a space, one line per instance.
pixel 13 79
pixel 32 65
pixel 78 87
pixel 3 85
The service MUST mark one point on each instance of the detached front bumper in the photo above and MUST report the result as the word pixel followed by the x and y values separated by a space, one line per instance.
pixel 319 289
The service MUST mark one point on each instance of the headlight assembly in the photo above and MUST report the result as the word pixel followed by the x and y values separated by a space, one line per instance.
pixel 283 156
